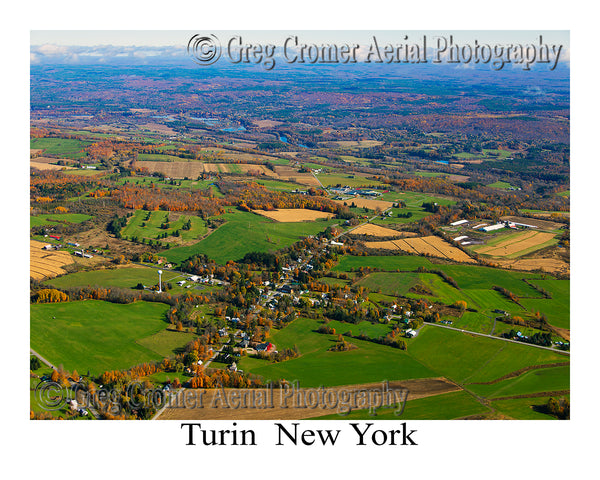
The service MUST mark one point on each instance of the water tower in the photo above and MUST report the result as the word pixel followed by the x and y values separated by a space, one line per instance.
pixel 159 281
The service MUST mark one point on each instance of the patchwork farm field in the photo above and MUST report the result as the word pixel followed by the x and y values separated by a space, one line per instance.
pixel 95 335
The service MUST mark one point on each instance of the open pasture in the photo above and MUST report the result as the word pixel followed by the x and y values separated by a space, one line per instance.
pixel 95 335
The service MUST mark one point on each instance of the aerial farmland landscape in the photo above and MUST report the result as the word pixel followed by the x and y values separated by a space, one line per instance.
pixel 241 232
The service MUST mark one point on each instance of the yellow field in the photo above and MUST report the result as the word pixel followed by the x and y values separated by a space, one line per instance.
pixel 47 166
pixel 367 202
pixel 293 214
pixel 292 174
pixel 377 231
pixel 432 246
pixel 46 263
pixel 516 244
pixel 550 265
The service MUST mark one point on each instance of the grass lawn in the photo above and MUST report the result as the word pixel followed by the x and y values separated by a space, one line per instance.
pixel 95 335
pixel 246 232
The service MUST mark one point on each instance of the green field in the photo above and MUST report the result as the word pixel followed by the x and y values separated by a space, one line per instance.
pixel 54 218
pixel 139 227
pixel 351 180
pixel 166 343
pixel 387 263
pixel 448 406
pixel 316 366
pixel 501 185
pixel 246 232
pixel 534 381
pixel 65 147
pixel 95 335
pixel 125 277
pixel 523 408
pixel 465 358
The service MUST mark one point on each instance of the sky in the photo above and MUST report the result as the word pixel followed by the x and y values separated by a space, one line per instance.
pixel 180 37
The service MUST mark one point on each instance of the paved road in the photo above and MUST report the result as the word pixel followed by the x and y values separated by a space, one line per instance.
pixel 41 358
pixel 552 349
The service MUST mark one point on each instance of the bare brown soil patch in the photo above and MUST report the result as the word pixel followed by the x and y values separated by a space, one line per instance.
pixel 266 123
pixel 417 388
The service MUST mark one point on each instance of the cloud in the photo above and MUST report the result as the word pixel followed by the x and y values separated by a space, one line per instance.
pixel 106 54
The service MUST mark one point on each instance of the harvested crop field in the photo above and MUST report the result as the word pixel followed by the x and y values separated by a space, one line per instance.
pixel 293 214
pixel 377 231
pixel 292 174
pixel 367 203
pixel 193 169
pixel 47 166
pixel 186 409
pixel 551 265
pixel 432 246
pixel 521 243
pixel 46 263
